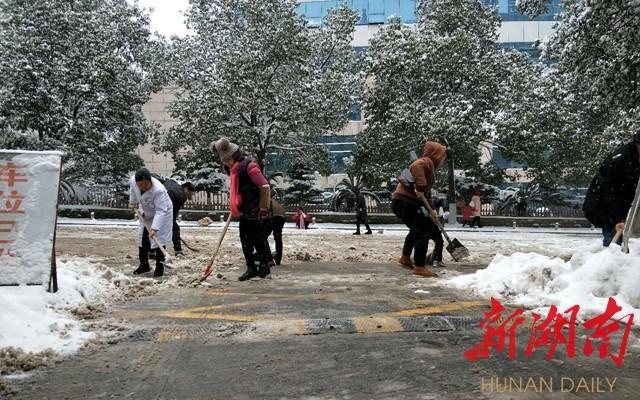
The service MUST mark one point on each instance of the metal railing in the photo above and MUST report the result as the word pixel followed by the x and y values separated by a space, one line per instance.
pixel 112 197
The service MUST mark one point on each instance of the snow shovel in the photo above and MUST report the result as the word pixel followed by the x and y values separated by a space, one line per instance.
pixel 167 258
pixel 188 247
pixel 455 248
pixel 209 268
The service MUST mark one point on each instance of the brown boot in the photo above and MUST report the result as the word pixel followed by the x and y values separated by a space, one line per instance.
pixel 405 262
pixel 424 271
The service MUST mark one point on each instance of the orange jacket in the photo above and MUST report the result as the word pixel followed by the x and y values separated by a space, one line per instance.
pixel 424 173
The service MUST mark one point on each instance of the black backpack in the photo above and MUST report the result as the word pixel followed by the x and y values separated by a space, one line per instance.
pixel 594 208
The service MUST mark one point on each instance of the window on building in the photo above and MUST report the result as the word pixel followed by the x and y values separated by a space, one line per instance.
pixel 354 113
pixel 370 11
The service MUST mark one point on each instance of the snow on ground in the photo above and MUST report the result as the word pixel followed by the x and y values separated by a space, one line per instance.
pixel 34 320
pixel 588 278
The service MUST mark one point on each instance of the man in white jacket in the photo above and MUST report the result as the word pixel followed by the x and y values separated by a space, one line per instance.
pixel 150 198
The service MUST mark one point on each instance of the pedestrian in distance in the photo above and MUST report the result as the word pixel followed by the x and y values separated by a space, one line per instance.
pixel 250 198
pixel 179 194
pixel 301 218
pixel 467 214
pixel 361 215
pixel 407 204
pixel 613 189
pixel 476 205
pixel 149 197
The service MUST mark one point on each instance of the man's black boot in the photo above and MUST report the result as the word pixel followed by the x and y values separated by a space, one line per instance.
pixel 142 268
pixel 159 271
pixel 264 270
pixel 251 272
pixel 144 262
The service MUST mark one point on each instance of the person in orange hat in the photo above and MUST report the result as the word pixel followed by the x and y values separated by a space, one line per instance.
pixel 408 206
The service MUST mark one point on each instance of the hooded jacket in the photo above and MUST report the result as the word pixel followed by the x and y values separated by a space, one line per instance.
pixel 424 173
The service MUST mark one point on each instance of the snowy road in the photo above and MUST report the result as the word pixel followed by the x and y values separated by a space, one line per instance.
pixel 338 320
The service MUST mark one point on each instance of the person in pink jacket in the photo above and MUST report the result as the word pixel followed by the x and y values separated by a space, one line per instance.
pixel 301 219
pixel 250 200
pixel 476 204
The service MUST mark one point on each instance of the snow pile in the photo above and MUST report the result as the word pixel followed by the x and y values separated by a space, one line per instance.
pixel 588 279
pixel 34 320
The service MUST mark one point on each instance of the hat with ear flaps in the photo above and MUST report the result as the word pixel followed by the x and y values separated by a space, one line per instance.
pixel 225 148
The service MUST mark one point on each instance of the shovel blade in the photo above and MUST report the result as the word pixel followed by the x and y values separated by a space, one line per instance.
pixel 457 250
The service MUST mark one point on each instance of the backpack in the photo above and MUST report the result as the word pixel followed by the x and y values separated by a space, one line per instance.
pixel 593 207
pixel 407 180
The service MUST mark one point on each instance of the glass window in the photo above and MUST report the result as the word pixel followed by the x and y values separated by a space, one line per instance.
pixel 360 6
pixel 408 11
pixel 355 113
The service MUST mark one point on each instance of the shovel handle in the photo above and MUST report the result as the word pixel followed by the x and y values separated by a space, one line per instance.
pixel 208 269
pixel 148 228
pixel 616 238
pixel 437 221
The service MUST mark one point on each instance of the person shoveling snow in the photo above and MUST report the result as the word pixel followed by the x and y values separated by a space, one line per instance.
pixel 588 279
pixel 151 200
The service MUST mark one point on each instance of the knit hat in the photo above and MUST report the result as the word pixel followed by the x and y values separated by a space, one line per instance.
pixel 225 148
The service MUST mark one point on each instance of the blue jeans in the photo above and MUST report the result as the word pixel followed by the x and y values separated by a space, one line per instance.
pixel 607 236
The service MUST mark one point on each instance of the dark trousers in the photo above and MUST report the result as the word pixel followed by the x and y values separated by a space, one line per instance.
pixel 275 226
pixel 252 237
pixel 177 245
pixel 421 230
pixel 607 236
pixel 476 220
pixel 143 252
pixel 361 218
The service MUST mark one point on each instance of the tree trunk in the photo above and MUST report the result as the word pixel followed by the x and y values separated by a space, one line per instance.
pixel 452 189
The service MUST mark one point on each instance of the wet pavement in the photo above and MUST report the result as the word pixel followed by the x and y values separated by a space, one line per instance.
pixel 319 331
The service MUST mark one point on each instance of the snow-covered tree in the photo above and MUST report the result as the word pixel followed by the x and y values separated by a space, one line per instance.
pixel 257 74
pixel 73 76
pixel 303 190
pixel 588 101
pixel 440 80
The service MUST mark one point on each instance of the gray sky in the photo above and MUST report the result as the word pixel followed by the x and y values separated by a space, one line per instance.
pixel 167 18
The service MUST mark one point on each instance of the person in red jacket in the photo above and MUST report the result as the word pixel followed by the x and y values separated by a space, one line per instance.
pixel 301 219
pixel 250 200
pixel 467 213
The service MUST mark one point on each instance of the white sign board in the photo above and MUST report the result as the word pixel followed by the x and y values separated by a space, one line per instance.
pixel 29 183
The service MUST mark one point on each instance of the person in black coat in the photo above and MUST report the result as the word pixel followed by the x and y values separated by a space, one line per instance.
pixel 612 190
pixel 361 214
pixel 179 194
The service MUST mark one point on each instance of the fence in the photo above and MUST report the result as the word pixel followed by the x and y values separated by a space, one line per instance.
pixel 536 210
pixel 112 197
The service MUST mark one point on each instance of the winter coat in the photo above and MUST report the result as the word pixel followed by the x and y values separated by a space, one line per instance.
pixel 467 212
pixel 176 194
pixel 155 207
pixel 249 189
pixel 424 174
pixel 301 220
pixel 613 188
pixel 276 209
pixel 476 204
pixel 361 209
